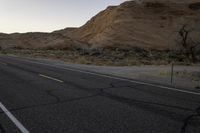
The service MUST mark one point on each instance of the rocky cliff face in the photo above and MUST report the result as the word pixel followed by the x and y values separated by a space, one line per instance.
pixel 147 24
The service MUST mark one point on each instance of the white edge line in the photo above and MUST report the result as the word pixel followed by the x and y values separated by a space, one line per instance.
pixel 13 119
pixel 137 82
pixel 118 78
pixel 41 75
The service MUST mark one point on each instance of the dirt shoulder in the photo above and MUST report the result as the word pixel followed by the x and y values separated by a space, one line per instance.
pixel 185 77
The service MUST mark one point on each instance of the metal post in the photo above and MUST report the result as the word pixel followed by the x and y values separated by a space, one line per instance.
pixel 172 73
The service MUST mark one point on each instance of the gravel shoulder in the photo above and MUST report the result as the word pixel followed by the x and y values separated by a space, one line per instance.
pixel 185 77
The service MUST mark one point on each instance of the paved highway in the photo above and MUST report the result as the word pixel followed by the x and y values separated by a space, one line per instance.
pixel 37 97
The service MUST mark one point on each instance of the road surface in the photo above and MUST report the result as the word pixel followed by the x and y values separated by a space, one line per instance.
pixel 37 97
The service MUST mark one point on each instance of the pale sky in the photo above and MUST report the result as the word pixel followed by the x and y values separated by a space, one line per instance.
pixel 48 15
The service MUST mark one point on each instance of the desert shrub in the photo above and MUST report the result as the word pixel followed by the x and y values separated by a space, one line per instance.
pixel 154 5
pixel 178 13
pixel 195 6
pixel 163 17
pixel 49 48
pixel 18 47
pixel 82 60
pixel 83 51
pixel 139 50
pixel 96 52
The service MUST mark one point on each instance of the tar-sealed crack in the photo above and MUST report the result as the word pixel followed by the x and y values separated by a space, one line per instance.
pixel 2 130
pixel 128 100
pixel 192 120
pixel 131 101
pixel 156 108
pixel 150 106
pixel 58 100
pixel 54 103
pixel 50 93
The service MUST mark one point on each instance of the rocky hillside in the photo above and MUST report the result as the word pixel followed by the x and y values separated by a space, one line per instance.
pixel 37 41
pixel 147 24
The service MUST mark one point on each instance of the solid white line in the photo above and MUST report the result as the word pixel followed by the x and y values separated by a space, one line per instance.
pixel 41 75
pixel 137 82
pixel 13 119
pixel 118 78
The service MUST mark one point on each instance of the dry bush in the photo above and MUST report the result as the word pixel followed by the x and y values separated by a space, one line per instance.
pixel 154 5
pixel 82 60
pixel 195 6
pixel 188 47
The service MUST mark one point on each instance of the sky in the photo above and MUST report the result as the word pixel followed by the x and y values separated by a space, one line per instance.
pixel 48 15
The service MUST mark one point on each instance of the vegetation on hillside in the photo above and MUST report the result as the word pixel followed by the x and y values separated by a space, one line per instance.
pixel 133 33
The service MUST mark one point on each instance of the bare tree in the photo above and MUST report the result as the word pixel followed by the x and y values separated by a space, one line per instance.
pixel 189 46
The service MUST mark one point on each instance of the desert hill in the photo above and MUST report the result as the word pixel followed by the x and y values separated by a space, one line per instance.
pixel 147 24
pixel 37 41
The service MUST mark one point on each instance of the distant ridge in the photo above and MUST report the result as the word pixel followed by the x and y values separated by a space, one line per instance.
pixel 147 24
pixel 150 24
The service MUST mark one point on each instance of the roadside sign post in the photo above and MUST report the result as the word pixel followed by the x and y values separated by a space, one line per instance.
pixel 172 73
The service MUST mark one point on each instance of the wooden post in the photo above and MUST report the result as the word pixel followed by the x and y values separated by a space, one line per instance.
pixel 172 73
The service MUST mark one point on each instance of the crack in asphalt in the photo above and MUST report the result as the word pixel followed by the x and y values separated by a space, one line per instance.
pixel 129 100
pixel 58 100
pixel 108 95
pixel 102 90
pixel 113 86
pixel 188 121
pixel 139 103
pixel 150 106
pixel 53 103
pixel 50 93
pixel 79 87
pixel 2 130
pixel 160 94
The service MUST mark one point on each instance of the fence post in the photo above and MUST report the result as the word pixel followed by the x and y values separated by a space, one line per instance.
pixel 172 72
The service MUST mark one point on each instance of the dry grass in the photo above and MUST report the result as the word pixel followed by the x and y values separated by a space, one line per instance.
pixel 182 74
pixel 132 57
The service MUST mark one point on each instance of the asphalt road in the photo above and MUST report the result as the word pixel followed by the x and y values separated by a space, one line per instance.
pixel 40 98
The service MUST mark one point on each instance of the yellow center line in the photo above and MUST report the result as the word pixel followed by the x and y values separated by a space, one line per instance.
pixel 58 80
